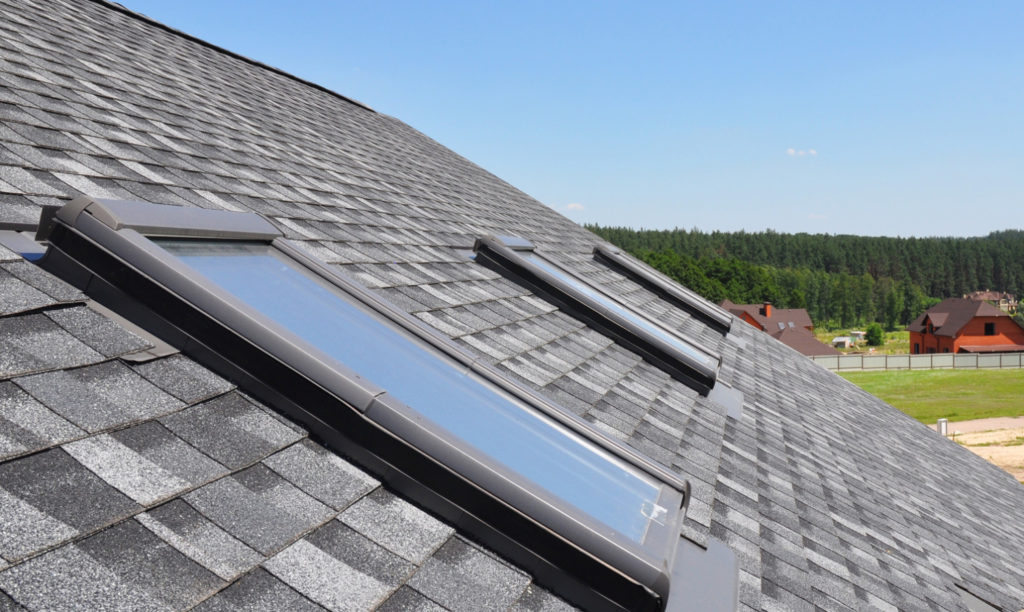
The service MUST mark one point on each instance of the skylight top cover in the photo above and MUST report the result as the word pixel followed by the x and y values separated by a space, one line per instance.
pixel 481 415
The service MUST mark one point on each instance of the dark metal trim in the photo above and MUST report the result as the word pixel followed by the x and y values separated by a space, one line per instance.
pixel 672 292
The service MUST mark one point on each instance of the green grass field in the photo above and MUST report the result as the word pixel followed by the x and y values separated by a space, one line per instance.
pixel 957 395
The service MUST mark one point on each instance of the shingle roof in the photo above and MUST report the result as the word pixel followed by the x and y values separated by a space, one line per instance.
pixel 803 341
pixel 789 317
pixel 158 485
pixel 951 314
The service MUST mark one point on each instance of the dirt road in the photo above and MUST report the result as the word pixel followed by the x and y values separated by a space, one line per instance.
pixel 999 440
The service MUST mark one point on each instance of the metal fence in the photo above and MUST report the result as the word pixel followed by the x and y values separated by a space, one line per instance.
pixel 932 361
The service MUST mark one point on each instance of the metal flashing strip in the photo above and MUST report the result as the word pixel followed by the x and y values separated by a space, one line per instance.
pixel 568 548
pixel 708 575
pixel 729 398
pixel 516 243
pixel 158 348
pixel 22 244
pixel 667 289
pixel 685 362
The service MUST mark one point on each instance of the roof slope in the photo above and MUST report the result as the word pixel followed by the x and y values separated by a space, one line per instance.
pixel 803 341
pixel 114 490
pixel 951 314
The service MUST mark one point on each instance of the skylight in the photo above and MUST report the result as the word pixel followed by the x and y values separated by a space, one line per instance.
pixel 665 348
pixel 594 520
pixel 677 343
pixel 672 292
pixel 532 445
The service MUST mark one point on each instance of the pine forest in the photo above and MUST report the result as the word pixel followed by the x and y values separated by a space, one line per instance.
pixel 842 280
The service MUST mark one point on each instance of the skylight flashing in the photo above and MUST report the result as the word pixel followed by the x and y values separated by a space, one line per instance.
pixel 170 221
pixel 22 244
pixel 517 243
pixel 103 250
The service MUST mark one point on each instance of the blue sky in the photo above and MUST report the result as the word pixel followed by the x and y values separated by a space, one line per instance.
pixel 868 118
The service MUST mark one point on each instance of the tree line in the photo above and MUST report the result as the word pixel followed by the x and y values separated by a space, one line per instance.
pixel 842 281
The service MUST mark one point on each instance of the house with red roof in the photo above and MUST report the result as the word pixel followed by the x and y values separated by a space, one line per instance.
pixel 960 325
pixel 791 326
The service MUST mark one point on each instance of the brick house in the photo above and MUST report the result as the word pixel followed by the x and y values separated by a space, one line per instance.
pixel 959 325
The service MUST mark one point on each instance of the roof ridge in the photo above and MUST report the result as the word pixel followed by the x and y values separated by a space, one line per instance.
pixel 136 15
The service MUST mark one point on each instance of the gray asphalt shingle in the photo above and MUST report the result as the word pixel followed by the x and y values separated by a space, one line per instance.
pixel 122 568
pixel 26 425
pixel 145 462
pixel 99 332
pixel 183 378
pixel 321 473
pixel 340 569
pixel 99 397
pixel 231 429
pixel 18 296
pixel 463 577
pixel 397 525
pixel 34 343
pixel 260 508
pixel 184 528
pixel 44 495
pixel 258 591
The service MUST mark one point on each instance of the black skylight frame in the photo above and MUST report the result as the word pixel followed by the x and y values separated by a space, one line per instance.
pixel 711 315
pixel 103 247
pixel 503 254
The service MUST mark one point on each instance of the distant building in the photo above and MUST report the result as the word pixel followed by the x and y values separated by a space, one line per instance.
pixel 791 326
pixel 961 325
pixel 1000 299
pixel 843 342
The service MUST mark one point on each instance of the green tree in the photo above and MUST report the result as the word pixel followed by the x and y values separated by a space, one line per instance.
pixel 875 336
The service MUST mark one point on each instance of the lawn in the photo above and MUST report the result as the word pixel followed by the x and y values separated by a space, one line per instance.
pixel 957 395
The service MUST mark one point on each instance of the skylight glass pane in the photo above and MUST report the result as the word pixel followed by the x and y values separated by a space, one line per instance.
pixel 605 301
pixel 527 442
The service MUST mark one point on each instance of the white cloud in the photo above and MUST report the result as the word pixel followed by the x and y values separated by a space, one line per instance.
pixel 574 206
pixel 801 152
pixel 812 152
pixel 790 151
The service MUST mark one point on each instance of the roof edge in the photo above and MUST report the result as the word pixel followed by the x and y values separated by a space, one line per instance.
pixel 127 11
